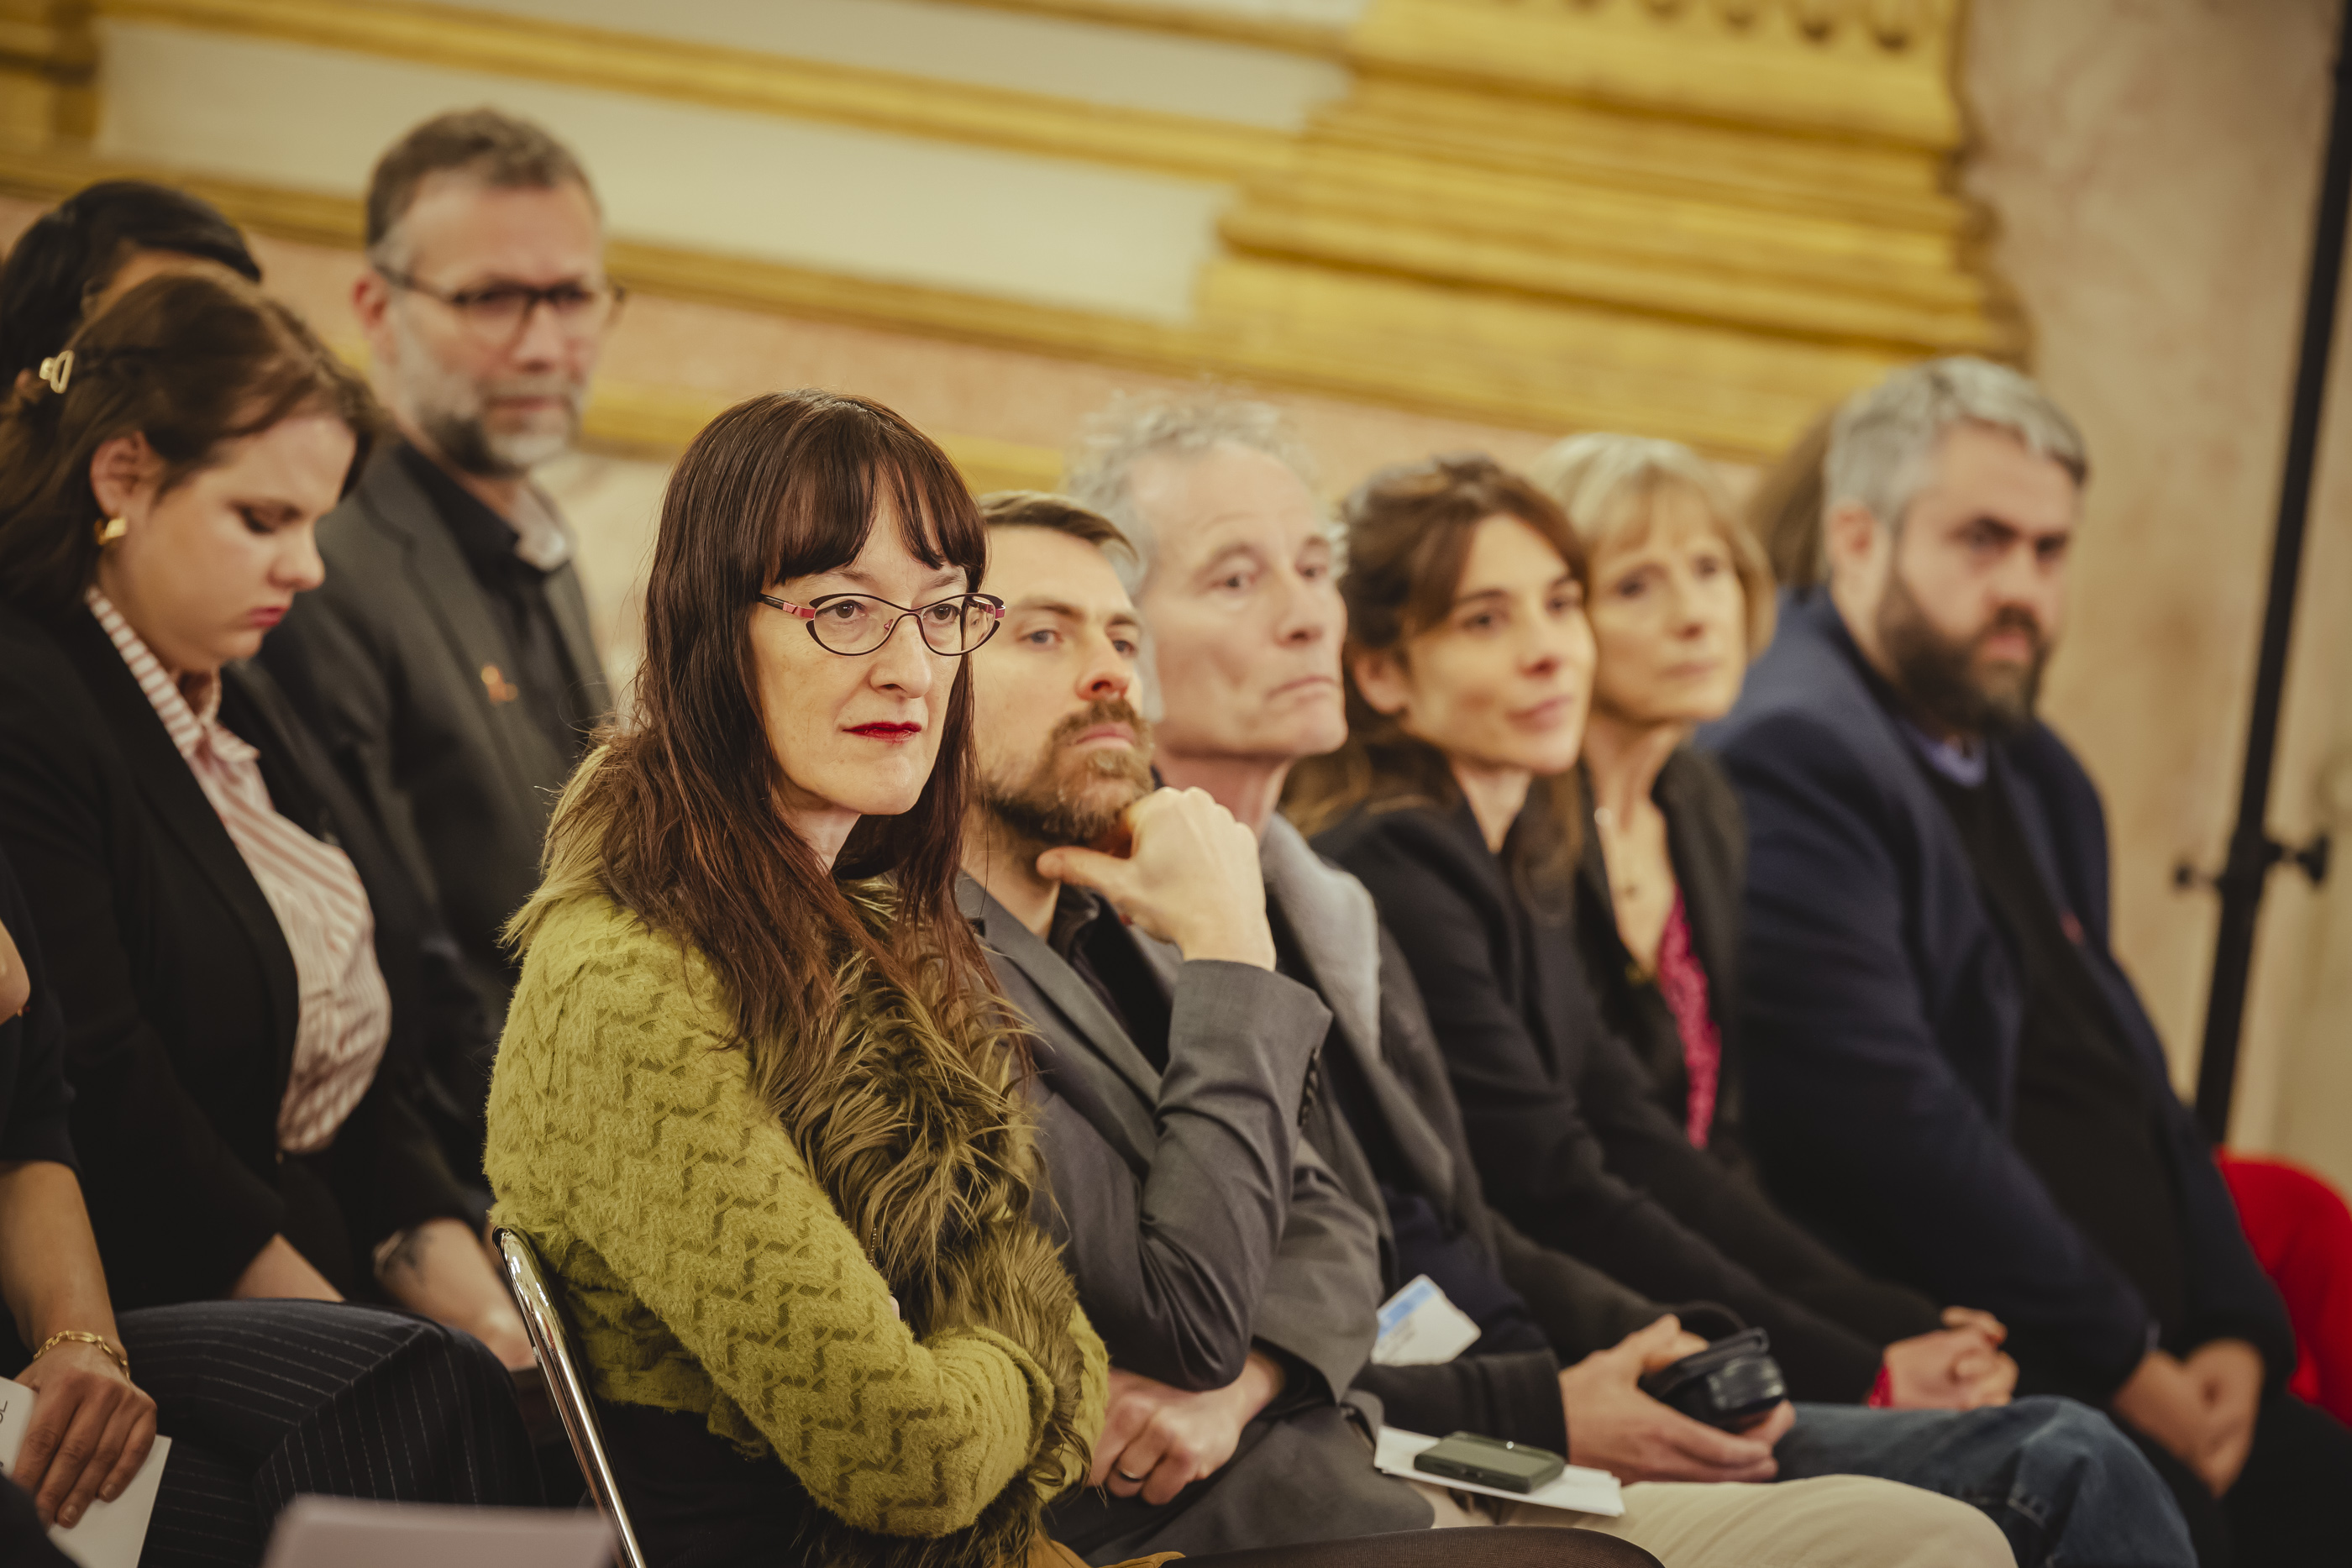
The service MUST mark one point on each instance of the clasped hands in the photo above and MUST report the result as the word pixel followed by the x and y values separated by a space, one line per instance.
pixel 1157 1440
pixel 2200 1407
pixel 1613 1426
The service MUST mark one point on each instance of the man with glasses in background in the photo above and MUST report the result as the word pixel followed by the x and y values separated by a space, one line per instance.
pixel 447 661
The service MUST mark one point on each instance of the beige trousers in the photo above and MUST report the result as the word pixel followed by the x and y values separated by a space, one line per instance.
pixel 1830 1521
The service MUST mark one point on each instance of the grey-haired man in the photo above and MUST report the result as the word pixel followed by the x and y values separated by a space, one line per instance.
pixel 1948 1070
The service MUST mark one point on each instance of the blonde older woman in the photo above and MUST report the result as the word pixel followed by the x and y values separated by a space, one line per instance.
pixel 1682 598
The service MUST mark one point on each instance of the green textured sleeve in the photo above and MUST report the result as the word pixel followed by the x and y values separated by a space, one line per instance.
pixel 644 1138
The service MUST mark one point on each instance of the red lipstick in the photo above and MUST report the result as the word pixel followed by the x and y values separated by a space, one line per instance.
pixel 890 732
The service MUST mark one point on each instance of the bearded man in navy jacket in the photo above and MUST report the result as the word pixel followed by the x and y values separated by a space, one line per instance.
pixel 1948 1073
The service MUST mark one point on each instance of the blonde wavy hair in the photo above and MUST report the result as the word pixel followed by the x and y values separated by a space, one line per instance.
pixel 1609 485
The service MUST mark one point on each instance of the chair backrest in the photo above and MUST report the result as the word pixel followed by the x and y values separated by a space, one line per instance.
pixel 567 1386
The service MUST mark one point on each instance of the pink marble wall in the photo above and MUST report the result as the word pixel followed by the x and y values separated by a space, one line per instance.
pixel 2153 165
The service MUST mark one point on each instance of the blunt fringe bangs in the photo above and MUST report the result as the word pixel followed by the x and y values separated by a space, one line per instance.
pixel 675 817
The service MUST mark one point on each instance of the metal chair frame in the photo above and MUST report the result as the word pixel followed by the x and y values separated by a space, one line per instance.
pixel 551 1335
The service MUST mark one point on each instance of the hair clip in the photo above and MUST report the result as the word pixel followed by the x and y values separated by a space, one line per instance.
pixel 56 370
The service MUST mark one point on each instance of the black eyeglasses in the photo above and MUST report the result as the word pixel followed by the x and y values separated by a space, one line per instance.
pixel 500 311
pixel 855 624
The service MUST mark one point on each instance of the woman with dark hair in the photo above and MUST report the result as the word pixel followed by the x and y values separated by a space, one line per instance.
pixel 227 997
pixel 238 968
pixel 751 1016
pixel 1469 667
pixel 97 246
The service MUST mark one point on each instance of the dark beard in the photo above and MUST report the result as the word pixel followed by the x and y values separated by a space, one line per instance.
pixel 1938 677
pixel 1052 807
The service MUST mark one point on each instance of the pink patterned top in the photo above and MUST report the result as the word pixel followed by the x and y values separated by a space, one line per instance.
pixel 1682 981
pixel 345 1014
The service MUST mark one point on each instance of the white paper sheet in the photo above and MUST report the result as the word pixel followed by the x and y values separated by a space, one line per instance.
pixel 1419 1326
pixel 1576 1489
pixel 110 1533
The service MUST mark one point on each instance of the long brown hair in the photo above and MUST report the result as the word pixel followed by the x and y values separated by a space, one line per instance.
pixel 1409 531
pixel 190 362
pixel 675 818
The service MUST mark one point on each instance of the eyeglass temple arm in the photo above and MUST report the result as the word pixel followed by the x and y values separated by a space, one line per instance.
pixel 996 610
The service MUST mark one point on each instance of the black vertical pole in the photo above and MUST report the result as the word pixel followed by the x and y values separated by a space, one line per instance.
pixel 2252 852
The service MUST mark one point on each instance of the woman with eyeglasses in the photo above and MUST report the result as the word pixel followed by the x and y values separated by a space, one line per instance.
pixel 756 1105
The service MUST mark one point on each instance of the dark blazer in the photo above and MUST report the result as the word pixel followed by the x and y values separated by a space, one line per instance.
pixel 1563 1121
pixel 1196 1225
pixel 386 662
pixel 1707 842
pixel 1707 836
pixel 1381 1023
pixel 178 987
pixel 1881 1015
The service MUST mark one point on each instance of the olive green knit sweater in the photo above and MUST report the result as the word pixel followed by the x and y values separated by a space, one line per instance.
pixel 707 1270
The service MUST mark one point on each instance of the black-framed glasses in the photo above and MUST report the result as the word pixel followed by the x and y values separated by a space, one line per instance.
pixel 500 311
pixel 855 624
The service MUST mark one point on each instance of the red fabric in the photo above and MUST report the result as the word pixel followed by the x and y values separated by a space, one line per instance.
pixel 2302 1235
pixel 1882 1389
pixel 1682 981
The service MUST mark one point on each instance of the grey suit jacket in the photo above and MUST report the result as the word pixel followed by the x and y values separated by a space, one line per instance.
pixel 1197 1223
pixel 386 661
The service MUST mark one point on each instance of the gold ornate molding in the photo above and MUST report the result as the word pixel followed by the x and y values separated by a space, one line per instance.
pixel 1876 68
pixel 1696 218
pixel 1706 218
pixel 1191 21
pixel 737 78
pixel 1391 341
pixel 633 419
pixel 49 62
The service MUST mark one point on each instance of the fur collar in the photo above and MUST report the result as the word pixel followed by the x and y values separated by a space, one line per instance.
pixel 916 1132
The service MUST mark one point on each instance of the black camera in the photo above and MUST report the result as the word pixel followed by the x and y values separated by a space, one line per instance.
pixel 1731 1384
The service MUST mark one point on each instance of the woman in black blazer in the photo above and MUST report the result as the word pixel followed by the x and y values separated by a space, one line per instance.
pixel 1469 668
pixel 157 493
pixel 1682 598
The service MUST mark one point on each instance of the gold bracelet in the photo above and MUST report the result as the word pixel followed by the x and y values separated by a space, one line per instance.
pixel 83 1336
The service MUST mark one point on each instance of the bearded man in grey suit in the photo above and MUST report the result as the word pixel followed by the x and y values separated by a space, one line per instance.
pixel 1213 1206
pixel 447 662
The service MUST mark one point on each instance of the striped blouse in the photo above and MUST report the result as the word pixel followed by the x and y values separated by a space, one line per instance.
pixel 346 1013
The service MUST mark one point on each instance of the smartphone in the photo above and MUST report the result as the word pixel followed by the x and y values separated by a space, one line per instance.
pixel 1489 1462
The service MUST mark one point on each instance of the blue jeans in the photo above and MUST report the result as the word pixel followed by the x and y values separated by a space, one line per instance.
pixel 2066 1488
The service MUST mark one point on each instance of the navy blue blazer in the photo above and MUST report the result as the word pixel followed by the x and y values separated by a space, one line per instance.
pixel 1882 1014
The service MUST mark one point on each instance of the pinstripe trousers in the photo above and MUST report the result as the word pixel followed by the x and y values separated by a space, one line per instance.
pixel 266 1400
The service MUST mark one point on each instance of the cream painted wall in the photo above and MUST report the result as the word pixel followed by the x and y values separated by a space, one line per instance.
pixel 864 203
pixel 1066 58
pixel 2153 165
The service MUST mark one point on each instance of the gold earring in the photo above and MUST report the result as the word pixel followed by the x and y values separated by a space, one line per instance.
pixel 110 530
